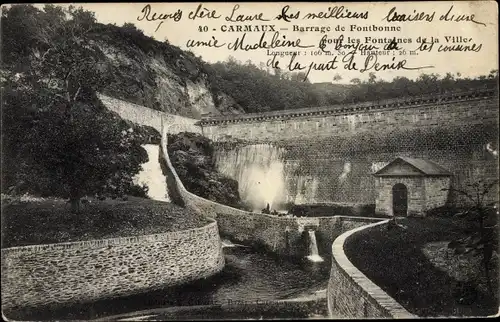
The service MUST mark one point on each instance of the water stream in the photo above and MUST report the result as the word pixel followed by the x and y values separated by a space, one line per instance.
pixel 152 175
pixel 250 276
pixel 313 248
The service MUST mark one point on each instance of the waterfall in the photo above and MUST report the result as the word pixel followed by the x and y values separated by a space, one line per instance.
pixel 259 170
pixel 313 248
pixel 152 175
pixel 228 243
pixel 306 189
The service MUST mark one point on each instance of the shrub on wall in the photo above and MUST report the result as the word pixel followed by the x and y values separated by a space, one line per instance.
pixel 192 156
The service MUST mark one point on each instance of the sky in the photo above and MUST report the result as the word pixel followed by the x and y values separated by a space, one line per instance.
pixel 483 33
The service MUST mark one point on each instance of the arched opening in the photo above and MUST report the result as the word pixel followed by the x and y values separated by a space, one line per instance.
pixel 399 200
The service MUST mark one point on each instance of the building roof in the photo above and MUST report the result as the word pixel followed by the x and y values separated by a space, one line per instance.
pixel 424 168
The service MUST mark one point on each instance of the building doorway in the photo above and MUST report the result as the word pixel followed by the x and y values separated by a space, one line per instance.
pixel 399 200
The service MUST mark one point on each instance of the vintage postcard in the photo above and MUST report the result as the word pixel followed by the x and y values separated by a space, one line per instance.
pixel 207 161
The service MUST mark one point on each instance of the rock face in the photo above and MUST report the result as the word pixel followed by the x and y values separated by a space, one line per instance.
pixel 158 75
pixel 192 157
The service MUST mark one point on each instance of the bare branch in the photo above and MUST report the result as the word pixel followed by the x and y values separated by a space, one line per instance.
pixel 460 192
pixel 68 97
pixel 68 73
pixel 44 54
pixel 77 92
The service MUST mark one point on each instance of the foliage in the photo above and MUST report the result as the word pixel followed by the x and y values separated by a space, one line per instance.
pixel 482 231
pixel 396 262
pixel 133 76
pixel 192 157
pixel 74 146
pixel 257 89
pixel 91 152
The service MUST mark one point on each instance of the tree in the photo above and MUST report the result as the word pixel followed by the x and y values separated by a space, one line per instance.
pixel 74 146
pixel 372 78
pixel 92 153
pixel 129 25
pixel 231 61
pixel 277 72
pixel 337 78
pixel 482 232
pixel 299 77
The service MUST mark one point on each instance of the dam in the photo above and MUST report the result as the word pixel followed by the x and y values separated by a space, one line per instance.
pixel 328 154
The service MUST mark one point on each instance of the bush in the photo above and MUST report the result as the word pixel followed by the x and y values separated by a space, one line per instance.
pixel 138 191
pixel 191 155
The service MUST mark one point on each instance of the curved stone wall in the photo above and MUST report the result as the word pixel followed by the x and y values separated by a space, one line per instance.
pixel 50 274
pixel 350 294
pixel 183 196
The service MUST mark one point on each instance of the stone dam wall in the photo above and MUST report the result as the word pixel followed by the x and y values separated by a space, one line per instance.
pixel 350 294
pixel 53 274
pixel 329 154
pixel 279 235
pixel 149 117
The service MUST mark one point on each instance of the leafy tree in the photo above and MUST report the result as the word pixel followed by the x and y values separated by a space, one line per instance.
pixel 337 78
pixel 372 78
pixel 74 146
pixel 299 77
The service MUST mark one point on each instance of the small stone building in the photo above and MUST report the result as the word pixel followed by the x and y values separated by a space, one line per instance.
pixel 410 187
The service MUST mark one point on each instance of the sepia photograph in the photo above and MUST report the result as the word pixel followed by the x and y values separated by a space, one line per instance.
pixel 254 160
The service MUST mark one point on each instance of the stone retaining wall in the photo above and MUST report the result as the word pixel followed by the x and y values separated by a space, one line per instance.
pixel 350 294
pixel 335 150
pixel 50 274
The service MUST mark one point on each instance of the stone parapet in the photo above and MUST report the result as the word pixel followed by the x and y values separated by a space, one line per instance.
pixel 350 294
pixel 51 274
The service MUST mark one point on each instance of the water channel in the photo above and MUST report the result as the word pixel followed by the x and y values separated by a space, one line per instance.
pixel 248 277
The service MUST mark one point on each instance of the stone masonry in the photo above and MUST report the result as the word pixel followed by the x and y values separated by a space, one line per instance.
pixel 416 195
pixel 350 294
pixel 86 271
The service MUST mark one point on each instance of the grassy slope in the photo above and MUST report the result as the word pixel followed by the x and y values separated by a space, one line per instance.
pixel 395 262
pixel 50 221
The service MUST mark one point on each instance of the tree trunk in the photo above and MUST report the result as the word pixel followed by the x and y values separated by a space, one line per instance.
pixel 74 199
pixel 488 281
pixel 75 204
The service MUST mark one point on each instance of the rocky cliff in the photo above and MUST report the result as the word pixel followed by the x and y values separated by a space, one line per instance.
pixel 158 75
